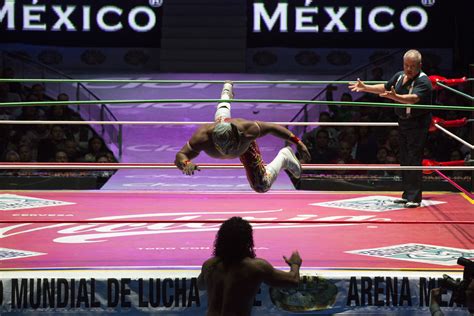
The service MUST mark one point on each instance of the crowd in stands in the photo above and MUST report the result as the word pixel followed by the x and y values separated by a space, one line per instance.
pixel 41 142
pixel 380 145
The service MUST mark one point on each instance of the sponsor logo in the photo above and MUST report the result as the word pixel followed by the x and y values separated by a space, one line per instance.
pixel 180 186
pixel 371 204
pixel 418 253
pixel 197 86
pixel 100 232
pixel 199 106
pixel 8 253
pixel 186 248
pixel 9 202
pixel 42 215
pixel 174 176
pixel 166 148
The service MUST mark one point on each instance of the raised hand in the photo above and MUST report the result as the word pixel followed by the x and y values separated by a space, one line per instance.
pixel 294 259
pixel 304 152
pixel 357 86
pixel 392 94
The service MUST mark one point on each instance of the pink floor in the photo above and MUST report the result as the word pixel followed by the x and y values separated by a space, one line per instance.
pixel 28 244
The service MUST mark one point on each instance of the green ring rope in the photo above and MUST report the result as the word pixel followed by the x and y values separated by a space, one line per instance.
pixel 179 81
pixel 467 96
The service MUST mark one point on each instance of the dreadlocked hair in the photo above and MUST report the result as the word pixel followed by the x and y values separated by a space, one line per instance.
pixel 234 241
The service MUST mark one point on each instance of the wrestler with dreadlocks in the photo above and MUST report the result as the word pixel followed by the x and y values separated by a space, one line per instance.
pixel 233 275
pixel 230 138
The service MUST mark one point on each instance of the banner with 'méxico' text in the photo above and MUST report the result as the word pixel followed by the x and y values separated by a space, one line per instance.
pixel 349 23
pixel 82 23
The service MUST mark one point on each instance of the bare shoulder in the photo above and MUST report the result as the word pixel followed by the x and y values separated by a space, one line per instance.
pixel 242 122
pixel 206 270
pixel 201 135
pixel 259 265
pixel 204 130
pixel 249 128
pixel 209 262
pixel 209 265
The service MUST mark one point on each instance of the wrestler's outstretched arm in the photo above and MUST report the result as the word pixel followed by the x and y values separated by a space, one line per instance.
pixel 284 133
pixel 278 278
pixel 190 151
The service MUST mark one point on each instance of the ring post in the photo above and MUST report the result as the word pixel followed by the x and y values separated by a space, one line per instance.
pixel 471 75
pixel 120 141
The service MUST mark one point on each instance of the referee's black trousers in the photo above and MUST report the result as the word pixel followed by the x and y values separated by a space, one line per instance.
pixel 413 134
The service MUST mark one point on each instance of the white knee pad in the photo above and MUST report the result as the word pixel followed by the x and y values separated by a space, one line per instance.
pixel 223 108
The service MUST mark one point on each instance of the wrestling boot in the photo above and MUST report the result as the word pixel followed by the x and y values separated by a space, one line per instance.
pixel 291 164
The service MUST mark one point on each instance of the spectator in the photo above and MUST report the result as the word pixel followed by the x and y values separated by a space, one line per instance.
pixel 60 112
pixel 14 87
pixel 38 90
pixel 8 113
pixel 366 150
pixel 72 150
pixel 96 148
pixel 26 153
pixel 81 135
pixel 344 157
pixel 12 156
pixel 57 113
pixel 232 277
pixel 392 160
pixel 341 113
pixel 382 154
pixel 31 113
pixel 37 133
pixel 393 142
pixel 60 156
pixel 350 135
pixel 380 158
pixel 105 158
pixel 110 156
pixel 332 132
pixel 6 95
pixel 4 139
pixel 49 146
pixel 370 113
pixel 319 147
pixel 102 158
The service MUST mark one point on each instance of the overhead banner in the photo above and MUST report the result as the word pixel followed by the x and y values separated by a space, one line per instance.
pixel 350 23
pixel 104 23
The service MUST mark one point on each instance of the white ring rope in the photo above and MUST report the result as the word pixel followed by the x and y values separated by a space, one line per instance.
pixel 39 122
pixel 459 139
pixel 117 166
pixel 373 124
